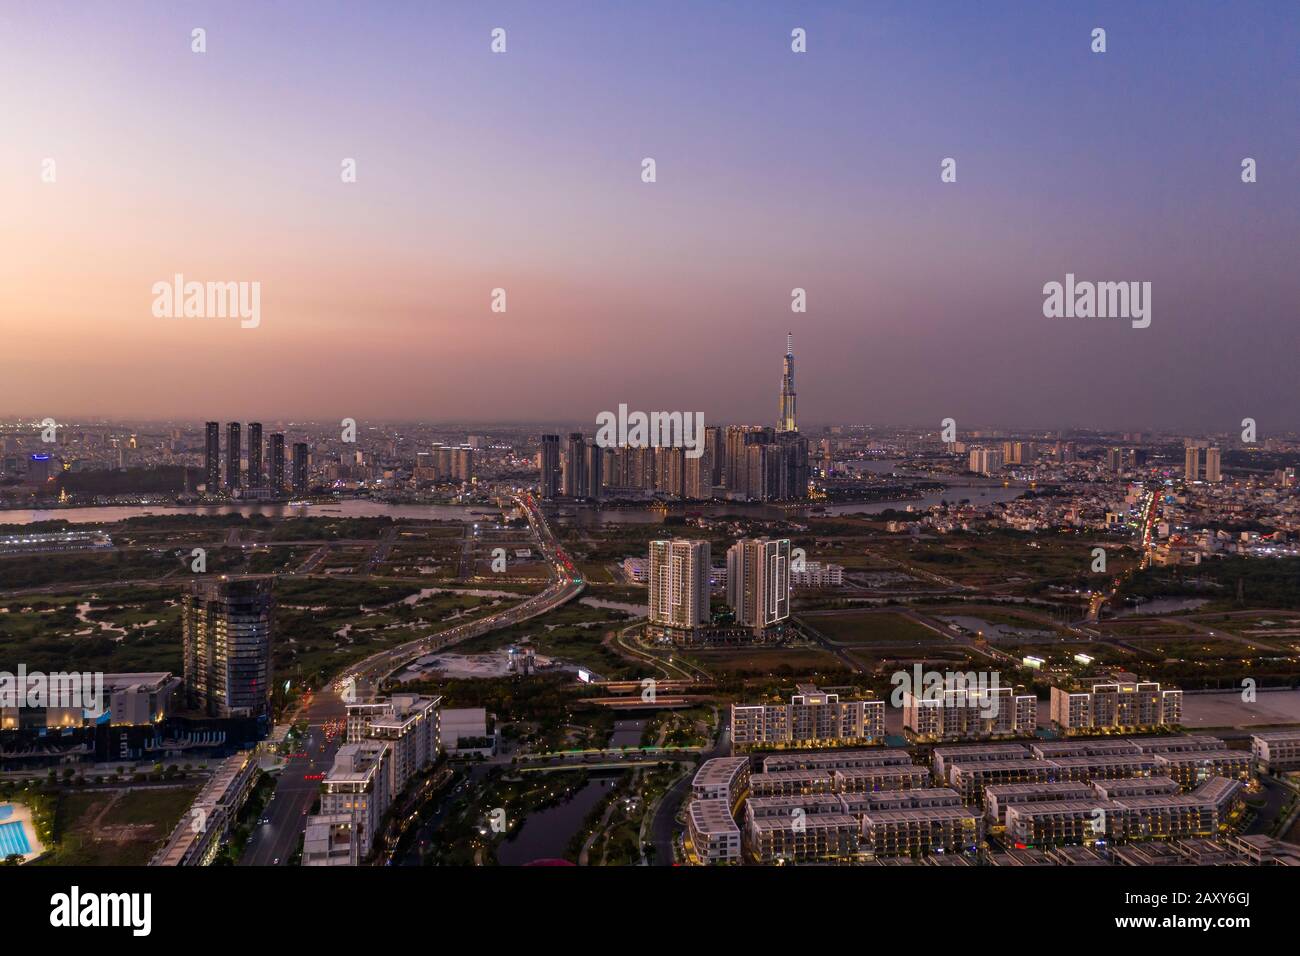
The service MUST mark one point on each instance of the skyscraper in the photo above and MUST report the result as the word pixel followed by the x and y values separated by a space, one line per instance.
pixel 1212 465
pixel 226 635
pixel 300 468
pixel 595 471
pixel 786 423
pixel 758 581
pixel 256 476
pixel 277 463
pixel 212 463
pixel 679 584
pixel 575 466
pixel 1192 463
pixel 548 462
pixel 233 451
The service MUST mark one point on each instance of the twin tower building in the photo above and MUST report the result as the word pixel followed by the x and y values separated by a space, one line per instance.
pixel 756 578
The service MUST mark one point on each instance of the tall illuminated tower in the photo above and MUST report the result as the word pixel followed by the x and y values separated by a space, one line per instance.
pixel 785 423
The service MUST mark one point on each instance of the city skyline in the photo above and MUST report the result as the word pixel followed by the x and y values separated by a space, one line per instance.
pixel 776 172
pixel 739 434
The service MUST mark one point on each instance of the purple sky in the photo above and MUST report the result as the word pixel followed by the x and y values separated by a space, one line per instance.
pixel 775 170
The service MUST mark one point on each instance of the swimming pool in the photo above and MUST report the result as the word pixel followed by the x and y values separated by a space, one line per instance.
pixel 13 839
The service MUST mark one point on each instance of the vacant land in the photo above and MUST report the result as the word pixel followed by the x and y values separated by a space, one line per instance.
pixel 873 627
pixel 115 827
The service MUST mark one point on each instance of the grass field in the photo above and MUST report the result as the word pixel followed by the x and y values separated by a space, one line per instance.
pixel 769 662
pixel 115 827
pixel 873 627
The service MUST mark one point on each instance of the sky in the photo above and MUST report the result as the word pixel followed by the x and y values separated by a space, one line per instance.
pixel 775 170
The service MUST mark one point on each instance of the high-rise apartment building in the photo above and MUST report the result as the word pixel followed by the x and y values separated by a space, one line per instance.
pixel 234 452
pixel 548 463
pixel 679 584
pixel 226 626
pixel 758 581
pixel 300 468
pixel 1213 472
pixel 985 461
pixel 573 481
pixel 212 457
pixel 256 476
pixel 277 463
pixel 594 466
pixel 1192 463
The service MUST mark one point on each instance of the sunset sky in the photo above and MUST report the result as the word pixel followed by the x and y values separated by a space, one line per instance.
pixel 775 170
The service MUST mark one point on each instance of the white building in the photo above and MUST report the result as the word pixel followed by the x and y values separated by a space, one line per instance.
pixel 815 574
pixel 812 718
pixel 1276 751
pixel 388 743
pixel 465 731
pixel 758 581
pixel 1117 706
pixel 679 584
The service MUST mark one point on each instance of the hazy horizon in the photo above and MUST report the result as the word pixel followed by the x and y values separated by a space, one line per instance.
pixel 775 170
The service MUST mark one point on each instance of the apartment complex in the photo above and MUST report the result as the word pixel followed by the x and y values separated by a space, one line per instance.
pixel 1122 706
pixel 388 742
pixel 961 713
pixel 679 587
pixel 813 718
pixel 1276 751
pixel 722 778
pixel 848 826
pixel 712 832
pixel 1122 818
pixel 759 582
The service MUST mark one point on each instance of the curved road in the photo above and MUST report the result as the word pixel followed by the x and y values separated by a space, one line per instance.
pixel 298 784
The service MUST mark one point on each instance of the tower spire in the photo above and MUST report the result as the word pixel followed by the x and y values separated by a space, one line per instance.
pixel 785 420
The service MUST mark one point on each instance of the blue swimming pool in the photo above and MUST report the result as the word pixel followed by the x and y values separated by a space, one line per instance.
pixel 6 811
pixel 13 839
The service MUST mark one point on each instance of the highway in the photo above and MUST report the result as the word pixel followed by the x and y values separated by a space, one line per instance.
pixel 298 784
pixel 566 586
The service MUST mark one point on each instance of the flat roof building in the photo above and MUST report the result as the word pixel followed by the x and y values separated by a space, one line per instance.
pixel 1276 751
pixel 813 718
pixel 999 797
pixel 920 830
pixel 712 832
pixel 1116 706
pixel 941 758
pixel 722 778
pixel 1190 768
pixel 969 713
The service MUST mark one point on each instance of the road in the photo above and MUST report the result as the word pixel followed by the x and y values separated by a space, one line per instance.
pixel 294 793
pixel 273 843
pixel 664 824
pixel 567 585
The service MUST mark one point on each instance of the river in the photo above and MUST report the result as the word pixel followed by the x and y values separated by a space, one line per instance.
pixel 569 514
pixel 545 834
